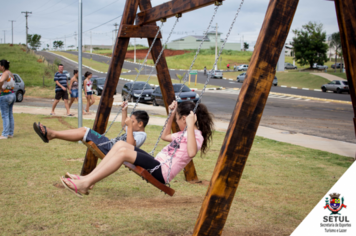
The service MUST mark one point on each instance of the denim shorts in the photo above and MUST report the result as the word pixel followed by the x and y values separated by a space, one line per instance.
pixel 74 93
pixel 97 138
pixel 90 93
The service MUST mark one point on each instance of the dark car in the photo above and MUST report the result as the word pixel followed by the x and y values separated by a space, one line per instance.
pixel 337 65
pixel 19 87
pixel 134 94
pixel 98 85
pixel 186 95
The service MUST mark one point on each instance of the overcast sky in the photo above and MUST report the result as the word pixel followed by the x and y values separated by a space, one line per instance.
pixel 58 20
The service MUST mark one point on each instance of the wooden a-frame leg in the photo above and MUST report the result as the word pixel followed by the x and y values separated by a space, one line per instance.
pixel 346 16
pixel 166 86
pixel 246 118
pixel 112 79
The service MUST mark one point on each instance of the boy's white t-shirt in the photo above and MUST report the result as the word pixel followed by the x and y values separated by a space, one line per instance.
pixel 139 136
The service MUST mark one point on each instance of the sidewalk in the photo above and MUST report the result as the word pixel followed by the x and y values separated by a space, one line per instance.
pixel 328 76
pixel 313 142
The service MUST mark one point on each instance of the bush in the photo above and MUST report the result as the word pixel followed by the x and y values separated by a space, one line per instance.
pixel 57 61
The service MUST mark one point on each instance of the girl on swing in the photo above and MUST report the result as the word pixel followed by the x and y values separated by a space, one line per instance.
pixel 197 137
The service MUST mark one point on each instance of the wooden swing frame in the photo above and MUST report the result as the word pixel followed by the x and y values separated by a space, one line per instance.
pixel 251 101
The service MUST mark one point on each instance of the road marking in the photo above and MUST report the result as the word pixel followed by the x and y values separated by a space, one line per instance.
pixel 319 90
pixel 284 86
pixel 294 87
pixel 305 88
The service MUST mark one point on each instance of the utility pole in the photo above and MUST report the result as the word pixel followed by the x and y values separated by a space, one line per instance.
pixel 216 44
pixel 76 42
pixel 65 43
pixel 91 45
pixel 4 36
pixel 112 43
pixel 26 15
pixel 134 50
pixel 116 25
pixel 12 30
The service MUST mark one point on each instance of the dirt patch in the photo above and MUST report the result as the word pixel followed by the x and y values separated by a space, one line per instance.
pixel 141 53
pixel 166 203
pixel 61 120
pixel 58 185
pixel 200 182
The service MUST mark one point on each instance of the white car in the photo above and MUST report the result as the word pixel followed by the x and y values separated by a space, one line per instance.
pixel 216 74
pixel 320 67
pixel 242 67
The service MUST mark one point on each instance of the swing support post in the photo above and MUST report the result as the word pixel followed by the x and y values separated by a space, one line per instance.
pixel 246 118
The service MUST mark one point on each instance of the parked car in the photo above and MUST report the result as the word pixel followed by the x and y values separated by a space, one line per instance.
pixel 241 77
pixel 320 67
pixel 19 87
pixel 136 91
pixel 67 74
pixel 98 85
pixel 289 66
pixel 242 67
pixel 337 86
pixel 216 74
pixel 186 95
pixel 337 65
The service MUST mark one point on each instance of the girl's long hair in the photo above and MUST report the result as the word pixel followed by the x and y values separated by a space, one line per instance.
pixel 87 74
pixel 204 121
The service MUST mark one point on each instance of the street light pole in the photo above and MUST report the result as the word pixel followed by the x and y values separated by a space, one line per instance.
pixel 12 30
pixel 80 97
pixel 26 15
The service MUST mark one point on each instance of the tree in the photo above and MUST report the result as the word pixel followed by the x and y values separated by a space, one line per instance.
pixel 34 41
pixel 309 46
pixel 246 45
pixel 335 42
pixel 58 44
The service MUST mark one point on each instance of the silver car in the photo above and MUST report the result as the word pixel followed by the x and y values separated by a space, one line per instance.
pixel 67 74
pixel 216 74
pixel 242 67
pixel 19 87
pixel 289 66
pixel 241 77
pixel 337 86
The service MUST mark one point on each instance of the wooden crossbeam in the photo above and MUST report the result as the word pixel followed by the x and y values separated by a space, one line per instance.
pixel 136 31
pixel 170 9
pixel 246 118
pixel 346 16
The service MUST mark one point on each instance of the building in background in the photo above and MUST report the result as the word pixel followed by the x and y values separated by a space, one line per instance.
pixel 193 42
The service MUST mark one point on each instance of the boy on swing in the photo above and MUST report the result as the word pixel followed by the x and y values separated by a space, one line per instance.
pixel 135 132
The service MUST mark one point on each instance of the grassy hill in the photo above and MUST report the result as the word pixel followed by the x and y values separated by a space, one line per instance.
pixel 30 67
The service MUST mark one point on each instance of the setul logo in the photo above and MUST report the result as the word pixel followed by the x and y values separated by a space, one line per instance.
pixel 334 206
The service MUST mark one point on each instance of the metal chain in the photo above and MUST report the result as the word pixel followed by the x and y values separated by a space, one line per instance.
pixel 139 72
pixel 152 70
pixel 185 78
pixel 198 102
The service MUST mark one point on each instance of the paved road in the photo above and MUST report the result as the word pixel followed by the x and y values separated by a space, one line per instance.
pixel 329 120
pixel 226 83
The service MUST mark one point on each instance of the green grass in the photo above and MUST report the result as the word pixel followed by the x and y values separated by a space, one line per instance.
pixel 100 66
pixel 292 79
pixel 338 73
pixel 154 80
pixel 109 51
pixel 277 178
pixel 27 66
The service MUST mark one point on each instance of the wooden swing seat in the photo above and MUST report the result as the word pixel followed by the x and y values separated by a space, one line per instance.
pixel 137 169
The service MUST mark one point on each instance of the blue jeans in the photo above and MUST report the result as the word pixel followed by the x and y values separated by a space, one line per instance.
pixel 6 105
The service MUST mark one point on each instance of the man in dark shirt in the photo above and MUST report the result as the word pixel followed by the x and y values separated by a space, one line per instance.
pixel 61 90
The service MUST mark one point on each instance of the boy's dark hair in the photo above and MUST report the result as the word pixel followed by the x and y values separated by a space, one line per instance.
pixel 141 116
pixel 204 121
pixel 60 65
pixel 87 74
pixel 75 72
pixel 5 64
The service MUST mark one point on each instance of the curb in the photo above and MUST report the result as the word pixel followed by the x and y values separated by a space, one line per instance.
pixel 285 86
pixel 311 98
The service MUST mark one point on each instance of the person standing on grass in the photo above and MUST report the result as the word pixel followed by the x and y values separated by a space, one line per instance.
pixel 88 84
pixel 7 100
pixel 73 89
pixel 228 66
pixel 61 90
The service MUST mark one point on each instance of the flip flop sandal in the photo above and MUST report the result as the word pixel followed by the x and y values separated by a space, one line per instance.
pixel 68 175
pixel 38 130
pixel 74 191
pixel 70 115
